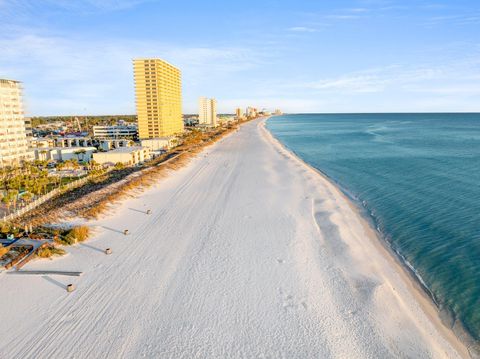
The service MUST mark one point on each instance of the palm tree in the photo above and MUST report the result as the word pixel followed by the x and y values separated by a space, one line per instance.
pixel 27 197
pixel 80 154
pixel 10 198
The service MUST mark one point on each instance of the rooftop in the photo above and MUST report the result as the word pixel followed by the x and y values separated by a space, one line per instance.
pixel 126 149
pixel 7 80
pixel 154 59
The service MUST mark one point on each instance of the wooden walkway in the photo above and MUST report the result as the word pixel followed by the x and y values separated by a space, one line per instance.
pixel 46 272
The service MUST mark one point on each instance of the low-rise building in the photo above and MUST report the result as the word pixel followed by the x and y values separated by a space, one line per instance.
pixel 225 120
pixel 108 145
pixel 128 156
pixel 63 142
pixel 116 132
pixel 159 144
pixel 82 154
pixel 74 141
pixel 42 142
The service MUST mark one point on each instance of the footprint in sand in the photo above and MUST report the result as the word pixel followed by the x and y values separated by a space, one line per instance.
pixel 289 302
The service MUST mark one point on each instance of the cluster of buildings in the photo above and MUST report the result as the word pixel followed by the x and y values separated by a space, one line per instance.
pixel 158 100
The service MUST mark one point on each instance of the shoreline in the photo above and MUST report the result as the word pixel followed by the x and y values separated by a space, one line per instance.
pixel 215 272
pixel 418 289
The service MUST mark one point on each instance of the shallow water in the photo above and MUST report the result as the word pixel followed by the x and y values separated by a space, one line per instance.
pixel 418 175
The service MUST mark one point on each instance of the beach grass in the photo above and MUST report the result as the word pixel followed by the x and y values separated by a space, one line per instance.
pixel 50 251
pixel 96 197
pixel 75 235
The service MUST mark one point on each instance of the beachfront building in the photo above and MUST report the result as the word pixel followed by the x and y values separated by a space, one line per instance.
pixel 158 98
pixel 278 112
pixel 251 112
pixel 238 113
pixel 13 132
pixel 158 145
pixel 107 145
pixel 115 132
pixel 207 112
pixel 128 156
pixel 227 120
pixel 58 154
pixel 73 141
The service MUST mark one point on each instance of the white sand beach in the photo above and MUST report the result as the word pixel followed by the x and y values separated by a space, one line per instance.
pixel 248 253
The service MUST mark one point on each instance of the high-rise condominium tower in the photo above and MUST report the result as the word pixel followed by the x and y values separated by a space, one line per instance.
pixel 158 98
pixel 238 113
pixel 207 111
pixel 13 136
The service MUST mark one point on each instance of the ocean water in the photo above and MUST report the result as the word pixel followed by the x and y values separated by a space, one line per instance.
pixel 418 177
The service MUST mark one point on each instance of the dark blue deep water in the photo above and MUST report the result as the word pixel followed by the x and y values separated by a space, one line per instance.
pixel 418 176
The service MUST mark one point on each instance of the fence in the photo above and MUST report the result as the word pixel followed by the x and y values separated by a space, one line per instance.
pixel 40 200
pixel 57 191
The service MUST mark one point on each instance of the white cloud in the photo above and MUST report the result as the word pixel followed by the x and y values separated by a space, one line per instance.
pixel 68 76
pixel 358 10
pixel 302 29
pixel 454 77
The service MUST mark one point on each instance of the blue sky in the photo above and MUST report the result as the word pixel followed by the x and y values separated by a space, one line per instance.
pixel 74 56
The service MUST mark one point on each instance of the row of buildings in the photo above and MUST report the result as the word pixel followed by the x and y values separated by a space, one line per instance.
pixel 158 100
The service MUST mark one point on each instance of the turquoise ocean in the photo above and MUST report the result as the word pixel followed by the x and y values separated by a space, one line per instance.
pixel 417 178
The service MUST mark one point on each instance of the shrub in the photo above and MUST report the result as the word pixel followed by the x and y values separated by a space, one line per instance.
pixel 50 251
pixel 74 235
pixel 3 250
pixel 5 228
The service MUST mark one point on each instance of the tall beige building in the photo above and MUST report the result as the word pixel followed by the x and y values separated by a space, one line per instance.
pixel 207 111
pixel 13 135
pixel 238 113
pixel 158 98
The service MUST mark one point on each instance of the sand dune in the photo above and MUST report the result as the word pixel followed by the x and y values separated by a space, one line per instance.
pixel 248 253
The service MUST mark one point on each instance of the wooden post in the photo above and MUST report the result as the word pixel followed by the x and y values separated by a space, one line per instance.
pixel 108 251
pixel 70 288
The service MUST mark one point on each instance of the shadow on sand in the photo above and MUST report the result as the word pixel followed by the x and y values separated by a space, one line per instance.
pixel 92 247
pixel 112 229
pixel 56 282
pixel 137 210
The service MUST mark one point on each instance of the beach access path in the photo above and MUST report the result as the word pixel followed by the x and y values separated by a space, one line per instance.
pixel 247 253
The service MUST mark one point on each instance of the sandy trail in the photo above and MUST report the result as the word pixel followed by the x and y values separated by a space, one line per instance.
pixel 248 253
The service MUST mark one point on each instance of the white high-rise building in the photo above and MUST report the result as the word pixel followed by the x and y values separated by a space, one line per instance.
pixel 13 134
pixel 207 111
pixel 251 112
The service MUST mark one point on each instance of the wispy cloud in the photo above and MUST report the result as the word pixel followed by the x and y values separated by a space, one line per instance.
pixel 459 76
pixel 302 29
pixel 343 17
pixel 98 73
pixel 472 18
pixel 358 10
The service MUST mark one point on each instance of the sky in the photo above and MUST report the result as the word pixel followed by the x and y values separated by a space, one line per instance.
pixel 74 57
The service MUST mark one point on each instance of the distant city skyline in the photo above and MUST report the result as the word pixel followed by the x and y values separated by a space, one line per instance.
pixel 74 57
